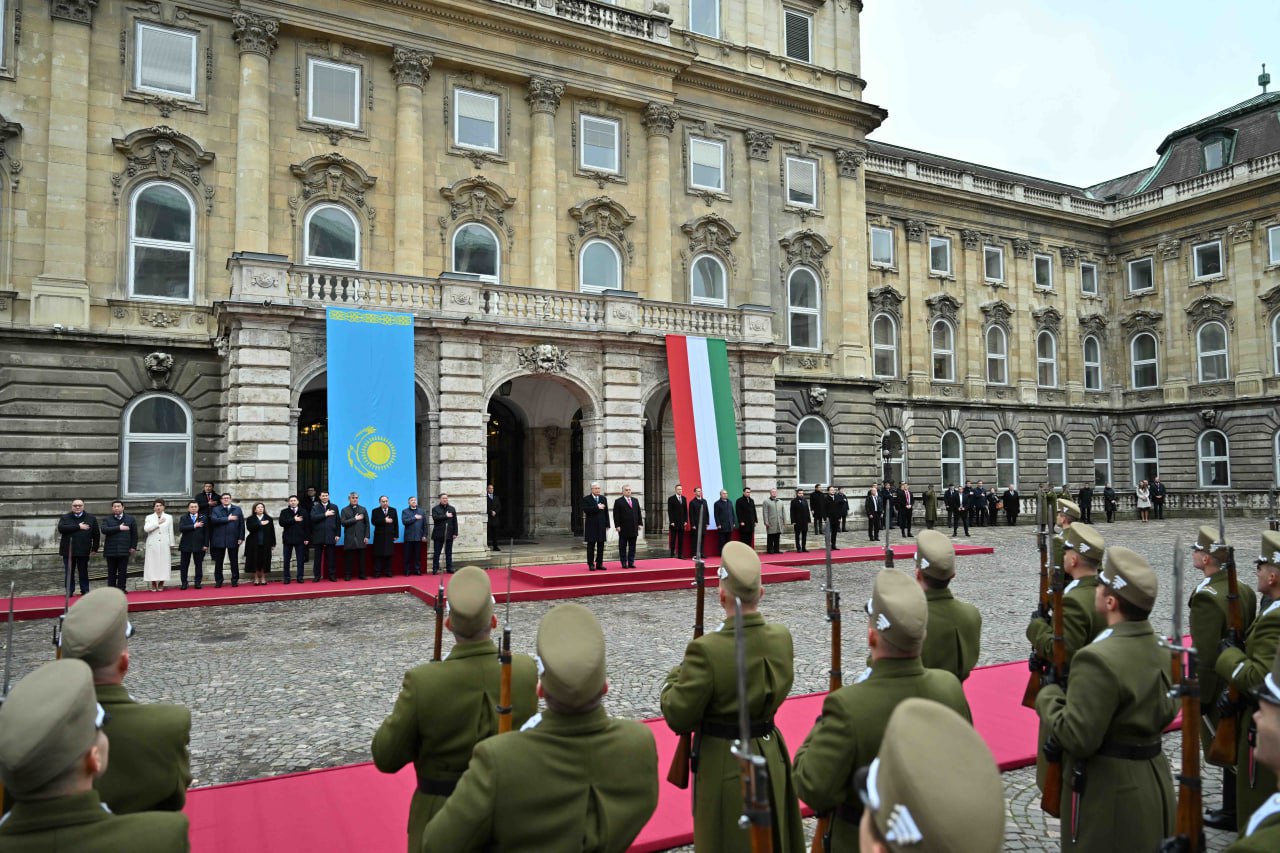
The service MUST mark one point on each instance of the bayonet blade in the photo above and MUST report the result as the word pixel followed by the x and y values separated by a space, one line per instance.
pixel 8 644
pixel 827 537
pixel 1222 520
pixel 511 554
pixel 1177 591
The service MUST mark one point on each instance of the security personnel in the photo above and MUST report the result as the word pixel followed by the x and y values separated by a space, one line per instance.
pixel 52 747
pixel 933 787
pixel 1209 627
pixel 1261 832
pixel 848 735
pixel 701 696
pixel 1117 789
pixel 150 764
pixel 444 709
pixel 1083 550
pixel 954 634
pixel 572 779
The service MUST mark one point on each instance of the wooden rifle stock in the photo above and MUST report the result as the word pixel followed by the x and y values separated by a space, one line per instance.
pixel 836 682
pixel 1051 801
pixel 1189 822
pixel 1223 749
pixel 755 797
pixel 1033 682
pixel 439 608
pixel 678 773
pixel 504 692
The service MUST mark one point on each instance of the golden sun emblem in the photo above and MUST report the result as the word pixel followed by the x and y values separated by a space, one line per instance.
pixel 370 453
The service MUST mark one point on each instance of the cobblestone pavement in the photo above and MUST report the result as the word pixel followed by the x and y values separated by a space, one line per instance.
pixel 289 686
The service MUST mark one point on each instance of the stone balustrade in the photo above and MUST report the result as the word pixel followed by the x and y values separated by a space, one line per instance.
pixel 653 26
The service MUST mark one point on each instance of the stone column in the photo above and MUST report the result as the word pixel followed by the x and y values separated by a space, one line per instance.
pixel 762 239
pixel 1248 341
pixel 1177 354
pixel 463 444
pixel 759 422
pixel 544 100
pixel 622 426
pixel 256 37
pixel 851 285
pixel 411 68
pixel 660 121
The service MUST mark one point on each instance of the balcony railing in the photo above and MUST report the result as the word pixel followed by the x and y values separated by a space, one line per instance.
pixel 652 26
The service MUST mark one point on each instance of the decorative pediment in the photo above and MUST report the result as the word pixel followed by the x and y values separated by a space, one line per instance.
pixel 1271 298
pixel 805 248
pixel 849 161
pixel 1047 318
pixel 332 177
pixel 477 198
pixel 1070 255
pixel 164 153
pixel 10 130
pixel 943 305
pixel 887 300
pixel 1093 324
pixel 1209 307
pixel 1142 320
pixel 1021 247
pixel 710 233
pixel 915 230
pixel 997 312
pixel 972 239
pixel 602 217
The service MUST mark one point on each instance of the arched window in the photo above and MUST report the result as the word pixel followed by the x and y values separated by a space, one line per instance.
pixel 884 346
pixel 600 267
pixel 895 470
pixel 332 237
pixel 1006 460
pixel 1211 351
pixel 944 351
pixel 813 451
pixel 1101 461
pixel 707 281
pixel 1142 358
pixel 1146 458
pixel 1056 459
pixel 476 251
pixel 1046 360
pixel 162 243
pixel 1092 364
pixel 1275 344
pixel 156 461
pixel 1215 462
pixel 1276 456
pixel 804 303
pixel 952 458
pixel 997 356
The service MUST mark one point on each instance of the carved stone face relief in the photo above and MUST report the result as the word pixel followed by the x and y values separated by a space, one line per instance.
pixel 544 358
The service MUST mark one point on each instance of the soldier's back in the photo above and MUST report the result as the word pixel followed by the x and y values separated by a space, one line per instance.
pixel 954 639
pixel 79 824
pixel 150 767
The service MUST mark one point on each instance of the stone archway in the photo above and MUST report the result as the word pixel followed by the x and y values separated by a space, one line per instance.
pixel 660 471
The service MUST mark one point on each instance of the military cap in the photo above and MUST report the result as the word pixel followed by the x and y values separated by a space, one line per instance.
pixel 1068 508
pixel 740 571
pixel 935 555
pixel 1128 574
pixel 1269 689
pixel 1207 541
pixel 49 720
pixel 1085 540
pixel 96 629
pixel 470 601
pixel 1270 549
pixel 934 786
pixel 571 655
pixel 898 609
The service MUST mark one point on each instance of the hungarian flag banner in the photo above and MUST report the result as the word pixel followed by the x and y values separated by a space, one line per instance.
pixel 705 425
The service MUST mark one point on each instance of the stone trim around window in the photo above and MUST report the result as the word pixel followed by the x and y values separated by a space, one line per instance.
pixel 179 20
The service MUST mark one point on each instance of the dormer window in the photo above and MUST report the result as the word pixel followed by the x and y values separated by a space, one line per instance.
pixel 1217 149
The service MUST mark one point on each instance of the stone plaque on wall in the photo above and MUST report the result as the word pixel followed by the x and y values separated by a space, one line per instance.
pixel 552 480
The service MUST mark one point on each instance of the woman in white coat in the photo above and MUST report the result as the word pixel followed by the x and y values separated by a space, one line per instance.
pixel 159 530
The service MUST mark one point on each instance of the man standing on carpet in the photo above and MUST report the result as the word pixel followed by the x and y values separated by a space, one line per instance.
pixel 355 535
pixel 818 506
pixel 225 540
pixel 80 538
pixel 444 529
pixel 193 543
pixel 1261 832
pixel 295 534
pixel 446 707
pixel 874 508
pixel 1158 494
pixel 627 523
pixel 386 529
pixel 324 535
pixel 699 516
pixel 701 695
pixel 842 507
pixel 800 520
pixel 414 523
pixel 903 505
pixel 745 510
pixel 677 522
pixel 957 514
pixel 775 516
pixel 725 522
pixel 954 635
pixel 119 543
pixel 572 777
pixel 833 514
pixel 595 527
pixel 493 511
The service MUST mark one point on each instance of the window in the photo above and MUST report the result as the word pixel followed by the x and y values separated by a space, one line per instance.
pixel 1046 360
pixel 333 93
pixel 1275 344
pixel 1101 461
pixel 952 458
pixel 164 60
pixel 802 182
pixel 332 237
pixel 940 256
pixel 1146 458
pixel 599 144
pixel 1141 275
pixel 944 351
pixel 1276 454
pixel 1217 150
pixel 1211 350
pixel 1089 279
pixel 813 451
pixel 993 263
pixel 704 17
pixel 1215 465
pixel 1056 460
pixel 895 470
pixel 881 247
pixel 1207 258
pixel 1006 460
pixel 157 448
pixel 997 356
pixel 1092 364
pixel 476 251
pixel 706 164
pixel 601 267
pixel 475 123
pixel 162 245
pixel 1142 355
pixel 803 304
pixel 1273 245
pixel 707 281
pixel 799 32
pixel 1044 271
pixel 884 346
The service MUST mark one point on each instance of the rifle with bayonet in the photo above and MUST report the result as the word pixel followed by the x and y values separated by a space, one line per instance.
pixel 439 608
pixel 822 837
pixel 888 516
pixel 8 667
pixel 1188 831
pixel 757 818
pixel 678 773
pixel 1273 521
pixel 1052 799
pixel 1223 749
pixel 504 653
pixel 1036 663
pixel 66 605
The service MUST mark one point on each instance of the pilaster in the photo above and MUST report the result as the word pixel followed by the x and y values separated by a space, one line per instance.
pixel 463 445
pixel 411 69
pixel 623 427
pixel 855 343
pixel 759 422
pixel 256 37
pixel 1250 335
pixel 659 121
pixel 261 431
pixel 544 99
pixel 759 153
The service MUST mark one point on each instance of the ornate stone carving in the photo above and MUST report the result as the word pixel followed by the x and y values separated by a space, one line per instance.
pixel 265 281
pixel 759 144
pixel 158 366
pixel 119 312
pixel 1142 320
pixel 332 177
pixel 660 119
pixel 461 299
pixel 849 161
pixel 817 396
pixel 480 199
pixel 886 300
pixel 10 130
pixel 544 95
pixel 254 34
pixel 410 67
pixel 1209 307
pixel 915 230
pixel 806 247
pixel 1021 247
pixel 710 232
pixel 758 324
pixel 1047 318
pixel 807 362
pixel 1169 249
pixel 1241 232
pixel 626 315
pixel 1093 324
pixel 159 319
pixel 165 153
pixel 1271 298
pixel 602 217
pixel 997 312
pixel 1069 255
pixel 543 358
pixel 943 305
pixel 1209 416
pixel 75 11
pixel 972 239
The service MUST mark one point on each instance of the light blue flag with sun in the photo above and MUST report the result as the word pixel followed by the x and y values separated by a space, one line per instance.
pixel 371 406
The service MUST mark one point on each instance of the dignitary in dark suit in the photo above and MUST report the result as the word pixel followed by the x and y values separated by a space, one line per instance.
pixel 1110 500
pixel 699 516
pixel 1085 500
pixel 259 542
pixel 1158 494
pixel 208 499
pixel 227 521
pixel 119 543
pixel 833 513
pixel 957 513
pixel 722 510
pixel 800 520
pixel 386 529
pixel 842 508
pixel 1011 500
pixel 80 538
pixel 444 529
pixel 873 506
pixel 493 511
pixel 193 543
pixel 904 506
pixel 745 508
pixel 414 523
pixel 818 507
pixel 355 535
pixel 677 522
pixel 595 527
pixel 324 536
pixel 295 534
pixel 627 522
pixel 308 500
pixel 775 518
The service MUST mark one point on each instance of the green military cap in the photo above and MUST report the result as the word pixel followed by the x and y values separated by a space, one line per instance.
pixel 1269 689
pixel 898 609
pixel 470 601
pixel 1207 540
pixel 1085 540
pixel 571 655
pixel 96 629
pixel 49 720
pixel 740 571
pixel 935 555
pixel 1270 549
pixel 934 786
pixel 1069 508
pixel 1128 574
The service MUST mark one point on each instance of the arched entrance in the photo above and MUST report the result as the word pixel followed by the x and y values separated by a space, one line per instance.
pixel 506 434
pixel 660 472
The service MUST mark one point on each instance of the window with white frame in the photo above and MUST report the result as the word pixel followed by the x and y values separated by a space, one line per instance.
pixel 798 28
pixel 1043 271
pixel 162 248
pixel 881 247
pixel 952 447
pixel 1143 361
pixel 1007 460
pixel 1089 279
pixel 884 346
pixel 813 451
pixel 940 256
pixel 476 251
pixel 1276 454
pixel 704 17
pixel 706 164
pixel 803 306
pixel 943 338
pixel 156 460
pixel 895 469
pixel 600 267
pixel 993 263
pixel 802 182
pixel 1141 275
pixel 1217 151
pixel 1101 461
pixel 331 237
pixel 1211 351
pixel 1207 258
pixel 1056 459
pixel 1146 458
pixel 475 120
pixel 707 281
pixel 1215 463
pixel 333 92
pixel 997 356
pixel 599 148
pixel 1092 364
pixel 1046 360
pixel 164 59
pixel 1273 245
pixel 1275 344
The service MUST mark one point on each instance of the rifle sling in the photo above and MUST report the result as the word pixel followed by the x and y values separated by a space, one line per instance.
pixel 730 731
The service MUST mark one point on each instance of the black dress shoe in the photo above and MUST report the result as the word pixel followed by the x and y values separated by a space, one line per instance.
pixel 1220 819
pixel 199 586
pixel 218 585
pixel 184 586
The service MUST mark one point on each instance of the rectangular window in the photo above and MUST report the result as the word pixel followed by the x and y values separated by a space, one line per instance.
pixel 1089 279
pixel 476 120
pixel 1141 275
pixel 333 95
pixel 1215 155
pixel 1044 272
pixel 599 144
pixel 1207 258
pixel 802 182
pixel 704 17
pixel 993 260
pixel 799 33
pixel 940 256
pixel 1273 243
pixel 164 60
pixel 706 164
pixel 881 247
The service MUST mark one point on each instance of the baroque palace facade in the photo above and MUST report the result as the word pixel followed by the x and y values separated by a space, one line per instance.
pixel 550 187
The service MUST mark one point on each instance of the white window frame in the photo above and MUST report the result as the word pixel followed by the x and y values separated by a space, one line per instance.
pixel 945 243
pixel 1101 461
pixel 319 260
pixel 139 26
pixel 1221 143
pixel 898 462
pixel 891 347
pixel 786 47
pixel 694 142
pixel 583 118
pixel 1056 460
pixel 1036 260
pixel 312 63
pixel 888 233
pixel 1203 460
pixel 169 245
pixel 1134 264
pixel 813 166
pixel 1093 269
pixel 1275 441
pixel 617 261
pixel 1275 344
pixel 987 251
pixel 1003 460
pixel 1135 460
pixel 1273 245
pixel 724 277
pixel 814 312
pixel 715 17
pixel 825 447
pixel 1134 363
pixel 1198 273
pixel 127 437
pixel 1092 367
pixel 458 93
pixel 1001 358
pixel 946 460
pixel 949 353
pixel 453 251
pixel 1050 361
pixel 1202 354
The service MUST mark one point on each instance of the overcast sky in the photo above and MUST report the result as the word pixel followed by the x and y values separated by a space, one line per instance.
pixel 1072 90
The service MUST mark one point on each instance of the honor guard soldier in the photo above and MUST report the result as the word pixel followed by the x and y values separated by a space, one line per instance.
pixel 849 733
pixel 572 779
pixel 954 633
pixel 1068 513
pixel 701 696
pixel 1117 789
pixel 1083 549
pixel 1261 831
pixel 446 707
pixel 150 764
pixel 52 747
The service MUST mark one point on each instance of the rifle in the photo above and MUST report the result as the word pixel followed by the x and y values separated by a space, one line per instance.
pixel 888 517
pixel 66 605
pixel 1188 830
pixel 1051 801
pixel 756 816
pixel 678 773
pixel 1035 663
pixel 504 654
pixel 439 608
pixel 8 668
pixel 1273 522
pixel 1223 749
pixel 822 836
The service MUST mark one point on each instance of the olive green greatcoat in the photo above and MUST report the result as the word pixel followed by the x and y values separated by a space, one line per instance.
pixel 581 783
pixel 704 689
pixel 1081 621
pixel 79 824
pixel 150 767
pixel 930 507
pixel 848 734
pixel 444 709
pixel 1265 837
pixel 1246 670
pixel 1118 695
pixel 1209 625
pixel 954 634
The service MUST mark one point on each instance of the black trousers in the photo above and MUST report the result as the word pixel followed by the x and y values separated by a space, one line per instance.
pixel 773 543
pixel 725 536
pixel 1010 517
pixel 325 562
pixel 802 537
pixel 412 557
pixel 117 571
pixel 77 566
pixel 958 517
pixel 873 526
pixel 627 550
pixel 675 541
pixel 493 533
pixel 354 560
pixel 1158 505
pixel 220 554
pixel 446 543
pixel 187 558
pixel 747 533
pixel 904 522
pixel 381 566
pixel 844 518
pixel 1111 513
pixel 595 553
pixel 299 551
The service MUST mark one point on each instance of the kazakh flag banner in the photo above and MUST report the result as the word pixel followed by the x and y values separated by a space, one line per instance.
pixel 371 411
pixel 705 425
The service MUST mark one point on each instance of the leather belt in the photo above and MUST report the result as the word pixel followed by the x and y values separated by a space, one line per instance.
pixel 1130 752
pixel 436 787
pixel 725 731
pixel 850 814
